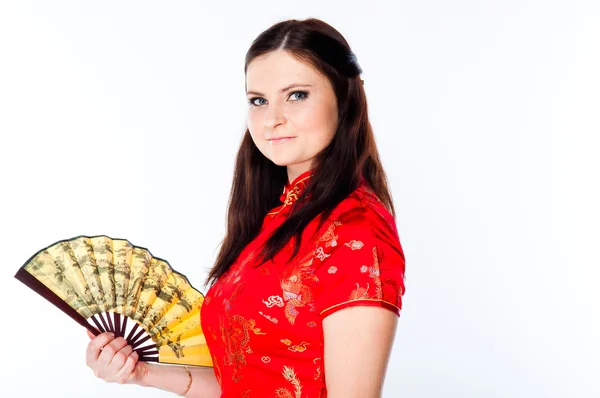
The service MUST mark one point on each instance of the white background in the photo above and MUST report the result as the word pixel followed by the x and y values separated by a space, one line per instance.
pixel 123 118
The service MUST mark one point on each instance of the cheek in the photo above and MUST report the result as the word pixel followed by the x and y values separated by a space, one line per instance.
pixel 256 130
pixel 253 124
pixel 317 124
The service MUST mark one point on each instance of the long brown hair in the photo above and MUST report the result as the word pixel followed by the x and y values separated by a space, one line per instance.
pixel 335 171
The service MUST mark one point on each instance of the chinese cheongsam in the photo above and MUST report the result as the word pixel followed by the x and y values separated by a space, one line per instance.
pixel 263 325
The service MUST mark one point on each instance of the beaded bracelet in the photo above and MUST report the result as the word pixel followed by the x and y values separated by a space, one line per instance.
pixel 189 382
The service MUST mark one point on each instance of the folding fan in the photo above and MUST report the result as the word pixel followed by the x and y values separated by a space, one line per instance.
pixel 109 282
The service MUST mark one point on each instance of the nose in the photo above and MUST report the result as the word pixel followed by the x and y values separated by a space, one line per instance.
pixel 274 116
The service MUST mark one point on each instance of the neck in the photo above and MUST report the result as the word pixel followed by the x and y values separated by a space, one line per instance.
pixel 295 170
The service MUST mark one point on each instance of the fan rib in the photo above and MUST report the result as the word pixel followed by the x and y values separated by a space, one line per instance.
pixel 147 350
pixel 137 336
pixel 103 321
pixel 122 333
pixel 117 324
pixel 137 344
pixel 135 327
pixel 100 327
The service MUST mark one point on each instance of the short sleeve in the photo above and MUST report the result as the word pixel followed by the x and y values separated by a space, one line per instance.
pixel 360 262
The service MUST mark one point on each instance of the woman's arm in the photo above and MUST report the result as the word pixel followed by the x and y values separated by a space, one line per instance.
pixel 175 379
pixel 114 361
pixel 357 346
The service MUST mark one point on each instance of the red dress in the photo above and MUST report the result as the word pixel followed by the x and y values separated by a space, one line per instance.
pixel 263 325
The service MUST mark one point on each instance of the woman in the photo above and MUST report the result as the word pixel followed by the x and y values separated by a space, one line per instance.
pixel 307 287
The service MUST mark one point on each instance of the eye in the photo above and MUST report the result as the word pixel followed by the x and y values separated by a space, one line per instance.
pixel 304 93
pixel 303 96
pixel 251 101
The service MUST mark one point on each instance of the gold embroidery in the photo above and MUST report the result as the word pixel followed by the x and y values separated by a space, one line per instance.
pixel 349 301
pixel 329 237
pixel 235 335
pixel 360 293
pixel 299 347
pixel 286 341
pixel 272 214
pixel 375 273
pixel 227 300
pixel 318 371
pixel 354 244
pixel 273 300
pixel 296 292
pixel 232 274
pixel 272 319
pixel 290 376
pixel 363 293
pixel 321 255
pixel 236 338
pixel 292 195
pixel 297 277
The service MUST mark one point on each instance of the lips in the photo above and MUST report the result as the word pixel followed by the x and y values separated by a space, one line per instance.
pixel 279 139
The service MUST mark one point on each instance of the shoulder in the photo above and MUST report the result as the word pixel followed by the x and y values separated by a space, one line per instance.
pixel 359 259
pixel 363 214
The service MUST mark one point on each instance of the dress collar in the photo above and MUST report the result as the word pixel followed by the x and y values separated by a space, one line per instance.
pixel 292 190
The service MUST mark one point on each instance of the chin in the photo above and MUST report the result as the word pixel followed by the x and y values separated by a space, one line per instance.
pixel 281 163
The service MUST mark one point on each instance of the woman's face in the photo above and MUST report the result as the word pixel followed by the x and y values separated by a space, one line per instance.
pixel 292 112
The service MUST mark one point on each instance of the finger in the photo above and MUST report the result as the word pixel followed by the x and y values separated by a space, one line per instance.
pixel 126 373
pixel 93 348
pixel 127 350
pixel 119 358
pixel 110 350
pixel 90 334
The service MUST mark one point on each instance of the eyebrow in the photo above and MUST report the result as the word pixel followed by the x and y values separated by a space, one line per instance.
pixel 283 90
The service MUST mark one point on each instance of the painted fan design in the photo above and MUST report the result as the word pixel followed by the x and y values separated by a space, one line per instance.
pixel 108 284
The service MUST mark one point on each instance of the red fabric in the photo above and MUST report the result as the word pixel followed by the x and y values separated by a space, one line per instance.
pixel 263 325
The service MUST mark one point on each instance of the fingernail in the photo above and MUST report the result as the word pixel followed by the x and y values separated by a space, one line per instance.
pixel 112 335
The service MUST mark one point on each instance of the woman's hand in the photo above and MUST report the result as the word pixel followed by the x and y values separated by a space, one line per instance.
pixel 113 360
